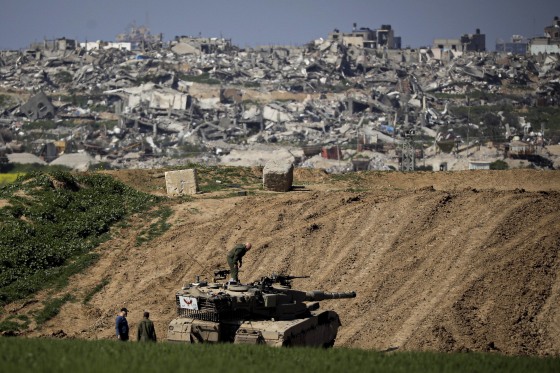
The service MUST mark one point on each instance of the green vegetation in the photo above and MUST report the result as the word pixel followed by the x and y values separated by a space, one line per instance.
pixel 6 101
pixel 41 124
pixel 251 84
pixel 51 223
pixel 35 167
pixel 8 178
pixel 14 323
pixel 356 178
pixel 95 290
pixel 191 150
pixel 35 355
pixel 499 165
pixel 216 178
pixel 203 78
pixel 446 146
pixel 424 168
pixel 51 309
pixel 157 228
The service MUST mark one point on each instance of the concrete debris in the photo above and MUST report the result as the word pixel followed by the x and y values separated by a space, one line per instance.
pixel 189 97
pixel 25 158
pixel 75 161
pixel 38 107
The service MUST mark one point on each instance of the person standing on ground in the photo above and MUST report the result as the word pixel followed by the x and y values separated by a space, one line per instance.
pixel 235 259
pixel 121 325
pixel 146 330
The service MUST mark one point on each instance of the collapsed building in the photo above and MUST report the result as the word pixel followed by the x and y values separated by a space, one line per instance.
pixel 466 43
pixel 205 98
pixel 517 45
pixel 364 37
pixel 550 42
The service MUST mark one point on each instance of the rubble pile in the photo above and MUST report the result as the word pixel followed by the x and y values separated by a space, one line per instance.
pixel 155 107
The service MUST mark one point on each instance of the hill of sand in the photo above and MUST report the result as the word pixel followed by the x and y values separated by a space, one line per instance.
pixel 444 261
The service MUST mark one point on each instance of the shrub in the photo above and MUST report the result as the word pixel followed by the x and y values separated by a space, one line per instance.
pixel 499 165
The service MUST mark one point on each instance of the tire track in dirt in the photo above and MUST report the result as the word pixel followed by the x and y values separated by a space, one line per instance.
pixel 449 273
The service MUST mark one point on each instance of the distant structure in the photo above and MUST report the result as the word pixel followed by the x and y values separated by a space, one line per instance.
pixel 466 43
pixel 92 45
pixel 474 42
pixel 364 37
pixel 517 45
pixel 201 44
pixel 550 42
pixel 60 44
pixel 139 37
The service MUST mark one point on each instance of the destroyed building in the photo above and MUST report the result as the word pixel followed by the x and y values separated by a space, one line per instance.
pixel 38 106
pixel 474 42
pixel 550 42
pixel 139 37
pixel 466 43
pixel 517 45
pixel 340 104
pixel 364 37
pixel 204 45
pixel 61 44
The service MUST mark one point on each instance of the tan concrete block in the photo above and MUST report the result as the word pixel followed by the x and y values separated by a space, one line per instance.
pixel 181 182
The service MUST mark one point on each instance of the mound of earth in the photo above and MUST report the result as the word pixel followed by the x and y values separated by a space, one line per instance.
pixel 462 261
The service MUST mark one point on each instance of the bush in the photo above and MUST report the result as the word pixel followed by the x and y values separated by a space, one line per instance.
pixel 499 165
pixel 425 168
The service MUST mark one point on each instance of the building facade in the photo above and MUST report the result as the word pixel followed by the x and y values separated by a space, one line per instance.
pixel 466 43
pixel 550 42
pixel 517 45
pixel 364 37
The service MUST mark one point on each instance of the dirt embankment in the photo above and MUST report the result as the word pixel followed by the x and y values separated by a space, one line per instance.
pixel 440 261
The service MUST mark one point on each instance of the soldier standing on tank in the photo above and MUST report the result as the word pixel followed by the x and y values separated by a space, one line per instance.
pixel 121 325
pixel 146 330
pixel 235 259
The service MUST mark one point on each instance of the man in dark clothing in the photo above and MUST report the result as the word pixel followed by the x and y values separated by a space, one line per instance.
pixel 121 325
pixel 235 259
pixel 146 330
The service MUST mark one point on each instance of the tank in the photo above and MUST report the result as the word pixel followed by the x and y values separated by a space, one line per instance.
pixel 267 311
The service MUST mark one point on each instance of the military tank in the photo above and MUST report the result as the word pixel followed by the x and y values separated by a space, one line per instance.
pixel 267 311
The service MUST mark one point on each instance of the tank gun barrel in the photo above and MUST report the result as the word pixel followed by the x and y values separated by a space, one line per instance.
pixel 318 295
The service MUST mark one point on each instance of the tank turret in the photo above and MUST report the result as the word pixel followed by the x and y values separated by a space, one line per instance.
pixel 268 311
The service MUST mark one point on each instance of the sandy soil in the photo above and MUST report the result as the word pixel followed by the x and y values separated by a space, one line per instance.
pixel 446 261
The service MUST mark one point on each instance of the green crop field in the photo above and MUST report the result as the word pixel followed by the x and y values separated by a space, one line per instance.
pixel 51 355
pixel 8 178
pixel 51 221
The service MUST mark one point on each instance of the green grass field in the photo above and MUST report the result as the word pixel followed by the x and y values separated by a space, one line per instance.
pixel 51 355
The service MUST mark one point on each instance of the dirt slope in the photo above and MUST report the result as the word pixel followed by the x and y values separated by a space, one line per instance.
pixel 440 261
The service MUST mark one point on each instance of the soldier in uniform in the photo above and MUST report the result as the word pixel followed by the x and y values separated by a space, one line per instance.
pixel 235 259
pixel 146 330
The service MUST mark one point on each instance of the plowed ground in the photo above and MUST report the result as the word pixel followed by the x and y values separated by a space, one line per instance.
pixel 440 261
